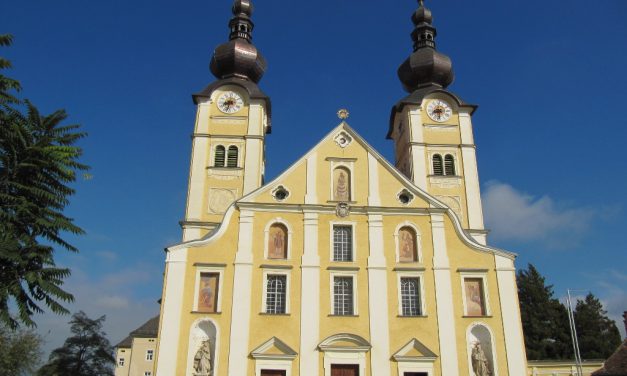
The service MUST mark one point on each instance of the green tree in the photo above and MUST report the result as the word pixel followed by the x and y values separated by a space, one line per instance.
pixel 598 335
pixel 544 318
pixel 38 162
pixel 86 353
pixel 20 352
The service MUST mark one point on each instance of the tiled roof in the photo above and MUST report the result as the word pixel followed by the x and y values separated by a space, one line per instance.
pixel 125 343
pixel 615 365
pixel 148 330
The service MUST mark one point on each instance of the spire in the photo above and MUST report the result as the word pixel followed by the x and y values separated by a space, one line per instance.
pixel 239 57
pixel 425 66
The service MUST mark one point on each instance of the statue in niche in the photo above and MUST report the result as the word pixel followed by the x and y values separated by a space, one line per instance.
pixel 407 246
pixel 202 360
pixel 479 361
pixel 342 188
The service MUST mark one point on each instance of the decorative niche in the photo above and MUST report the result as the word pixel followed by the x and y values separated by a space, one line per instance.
pixel 280 193
pixel 405 197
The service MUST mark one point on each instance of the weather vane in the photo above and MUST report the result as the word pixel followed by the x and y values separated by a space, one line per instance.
pixel 343 114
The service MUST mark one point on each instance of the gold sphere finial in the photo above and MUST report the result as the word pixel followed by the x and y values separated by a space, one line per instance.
pixel 343 114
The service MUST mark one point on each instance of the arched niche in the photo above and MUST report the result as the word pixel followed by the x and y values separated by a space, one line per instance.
pixel 203 331
pixel 481 351
pixel 342 189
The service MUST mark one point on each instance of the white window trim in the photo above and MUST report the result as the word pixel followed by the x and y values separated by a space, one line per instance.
pixel 150 355
pixel 287 274
pixel 353 275
pixel 267 235
pixel 486 294
pixel 420 276
pixel 226 144
pixel 443 152
pixel 418 242
pixel 350 166
pixel 354 240
pixel 273 364
pixel 207 269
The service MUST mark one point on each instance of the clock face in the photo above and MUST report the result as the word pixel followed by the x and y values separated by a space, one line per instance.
pixel 439 110
pixel 230 102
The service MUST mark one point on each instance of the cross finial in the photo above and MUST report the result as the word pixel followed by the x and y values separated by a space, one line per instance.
pixel 343 114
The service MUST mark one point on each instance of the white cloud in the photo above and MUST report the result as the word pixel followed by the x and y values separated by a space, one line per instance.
pixel 512 215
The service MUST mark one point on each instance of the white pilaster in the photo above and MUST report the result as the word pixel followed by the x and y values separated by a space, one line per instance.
pixel 252 165
pixel 510 314
pixel 311 196
pixel 471 173
pixel 444 298
pixel 171 314
pixel 374 198
pixel 419 162
pixel 378 292
pixel 310 297
pixel 241 304
pixel 197 175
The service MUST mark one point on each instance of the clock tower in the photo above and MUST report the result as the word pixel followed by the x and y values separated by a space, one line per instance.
pixel 432 129
pixel 233 117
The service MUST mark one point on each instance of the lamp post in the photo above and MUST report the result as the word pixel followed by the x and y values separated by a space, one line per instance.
pixel 573 334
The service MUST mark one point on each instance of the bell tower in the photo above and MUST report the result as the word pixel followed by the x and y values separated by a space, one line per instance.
pixel 233 117
pixel 432 129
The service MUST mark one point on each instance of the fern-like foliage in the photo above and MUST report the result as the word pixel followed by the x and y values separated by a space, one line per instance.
pixel 39 160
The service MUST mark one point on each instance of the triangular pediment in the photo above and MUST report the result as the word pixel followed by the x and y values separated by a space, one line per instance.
pixel 273 348
pixel 414 350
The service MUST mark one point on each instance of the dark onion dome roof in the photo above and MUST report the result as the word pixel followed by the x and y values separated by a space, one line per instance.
pixel 425 66
pixel 239 57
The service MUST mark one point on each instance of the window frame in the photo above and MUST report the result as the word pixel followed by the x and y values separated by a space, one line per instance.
pixel 454 164
pixel 418 243
pixel 226 144
pixel 264 297
pixel 353 227
pixel 228 156
pixel 486 300
pixel 343 274
pixel 150 354
pixel 209 269
pixel 277 220
pixel 215 153
pixel 433 172
pixel 421 291
pixel 443 152
pixel 120 362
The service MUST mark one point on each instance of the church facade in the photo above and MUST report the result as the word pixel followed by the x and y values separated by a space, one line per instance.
pixel 345 264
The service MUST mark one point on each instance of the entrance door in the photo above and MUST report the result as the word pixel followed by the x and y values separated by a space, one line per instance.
pixel 344 370
pixel 270 372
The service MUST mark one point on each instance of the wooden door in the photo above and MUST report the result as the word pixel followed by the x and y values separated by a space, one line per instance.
pixel 344 370
pixel 270 372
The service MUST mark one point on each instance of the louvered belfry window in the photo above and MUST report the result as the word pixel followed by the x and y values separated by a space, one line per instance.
pixel 218 159
pixel 437 165
pixel 232 157
pixel 449 165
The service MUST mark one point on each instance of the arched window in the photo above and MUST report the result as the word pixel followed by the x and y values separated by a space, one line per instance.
pixel 218 159
pixel 449 165
pixel 277 241
pixel 341 184
pixel 407 245
pixel 232 157
pixel 437 165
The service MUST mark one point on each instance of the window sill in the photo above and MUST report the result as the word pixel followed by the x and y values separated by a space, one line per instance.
pixel 276 266
pixel 478 316
pixel 343 268
pixel 409 267
pixel 339 202
pixel 274 314
pixel 333 315
pixel 224 168
pixel 412 317
pixel 206 313
pixel 445 176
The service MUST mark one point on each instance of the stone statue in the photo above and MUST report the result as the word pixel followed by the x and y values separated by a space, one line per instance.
pixel 479 361
pixel 202 360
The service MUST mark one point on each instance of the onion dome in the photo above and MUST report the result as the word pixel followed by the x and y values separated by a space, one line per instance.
pixel 239 57
pixel 425 66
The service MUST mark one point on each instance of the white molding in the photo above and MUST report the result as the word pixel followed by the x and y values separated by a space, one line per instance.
pixel 374 198
pixel 418 242
pixel 241 303
pixel 266 232
pixel 411 274
pixel 311 197
pixel 344 273
pixel 277 271
pixel 353 225
pixel 486 294
pixel 510 314
pixel 473 190
pixel 495 364
pixel 206 269
pixel 169 335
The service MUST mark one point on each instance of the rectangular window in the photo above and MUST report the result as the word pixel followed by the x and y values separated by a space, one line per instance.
pixel 208 292
pixel 149 354
pixel 342 243
pixel 410 297
pixel 121 362
pixel 276 291
pixel 475 297
pixel 147 373
pixel 343 296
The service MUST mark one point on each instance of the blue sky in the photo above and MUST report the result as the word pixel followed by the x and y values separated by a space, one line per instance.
pixel 550 130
